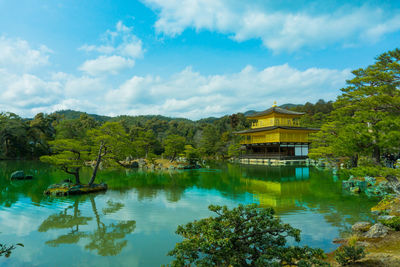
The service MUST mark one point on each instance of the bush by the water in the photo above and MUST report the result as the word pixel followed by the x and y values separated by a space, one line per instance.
pixel 392 223
pixel 375 171
pixel 244 236
pixel 349 254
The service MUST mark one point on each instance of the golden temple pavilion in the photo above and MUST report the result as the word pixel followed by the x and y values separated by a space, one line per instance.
pixel 276 134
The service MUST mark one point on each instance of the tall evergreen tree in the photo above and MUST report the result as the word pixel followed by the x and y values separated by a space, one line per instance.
pixel 366 119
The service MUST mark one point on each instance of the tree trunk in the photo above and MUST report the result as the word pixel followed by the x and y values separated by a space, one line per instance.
pixel 97 165
pixel 376 155
pixel 173 157
pixel 354 161
pixel 76 174
pixel 6 148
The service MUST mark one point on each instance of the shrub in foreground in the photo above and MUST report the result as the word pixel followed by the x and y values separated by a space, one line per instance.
pixel 244 236
pixel 349 254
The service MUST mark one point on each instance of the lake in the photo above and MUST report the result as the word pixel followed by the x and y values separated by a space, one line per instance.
pixel 134 222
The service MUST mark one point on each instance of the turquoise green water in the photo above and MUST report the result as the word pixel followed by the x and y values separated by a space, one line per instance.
pixel 133 223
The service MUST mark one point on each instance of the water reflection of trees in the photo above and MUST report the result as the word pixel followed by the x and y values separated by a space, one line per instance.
pixel 149 185
pixel 287 189
pixel 105 240
pixel 279 187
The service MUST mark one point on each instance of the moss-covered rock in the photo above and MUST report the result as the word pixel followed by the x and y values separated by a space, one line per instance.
pixel 389 205
pixel 361 227
pixel 65 189
pixel 20 175
pixel 17 175
pixel 377 230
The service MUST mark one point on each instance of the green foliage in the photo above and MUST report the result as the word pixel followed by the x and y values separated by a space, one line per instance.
pixel 112 145
pixel 365 120
pixel 374 171
pixel 144 141
pixel 69 155
pixel 191 154
pixel 392 223
pixel 349 254
pixel 315 114
pixel 234 150
pixel 244 236
pixel 210 141
pixel 40 132
pixel 13 136
pixel 75 128
pixel 210 137
pixel 68 114
pixel 108 143
pixel 115 142
pixel 173 146
pixel 151 157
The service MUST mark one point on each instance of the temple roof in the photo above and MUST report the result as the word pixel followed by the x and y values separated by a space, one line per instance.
pixel 273 128
pixel 276 110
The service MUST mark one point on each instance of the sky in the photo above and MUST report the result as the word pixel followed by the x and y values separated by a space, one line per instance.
pixel 184 58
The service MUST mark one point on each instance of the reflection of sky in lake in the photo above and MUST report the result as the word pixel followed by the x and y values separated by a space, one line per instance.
pixel 307 199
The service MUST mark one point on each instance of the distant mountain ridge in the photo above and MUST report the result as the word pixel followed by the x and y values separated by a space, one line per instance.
pixel 284 106
pixel 70 114
pixel 289 106
pixel 73 114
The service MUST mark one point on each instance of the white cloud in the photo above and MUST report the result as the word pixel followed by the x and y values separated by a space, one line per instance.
pixel 185 94
pixel 133 50
pixel 118 53
pixel 381 29
pixel 18 55
pixel 21 93
pixel 190 94
pixel 104 49
pixel 106 64
pixel 278 30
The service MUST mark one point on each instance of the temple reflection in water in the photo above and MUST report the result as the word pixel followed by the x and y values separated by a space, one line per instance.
pixel 282 188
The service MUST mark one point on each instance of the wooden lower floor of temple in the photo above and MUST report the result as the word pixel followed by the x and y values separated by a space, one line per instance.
pixel 275 153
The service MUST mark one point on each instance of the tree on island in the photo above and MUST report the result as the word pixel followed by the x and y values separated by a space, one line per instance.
pixel 112 145
pixel 70 156
pixel 108 144
pixel 366 117
pixel 244 236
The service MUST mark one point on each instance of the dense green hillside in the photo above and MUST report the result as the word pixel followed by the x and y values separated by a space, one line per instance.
pixel 151 134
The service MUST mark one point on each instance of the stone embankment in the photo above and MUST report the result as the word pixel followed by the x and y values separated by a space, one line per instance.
pixel 371 186
pixel 381 239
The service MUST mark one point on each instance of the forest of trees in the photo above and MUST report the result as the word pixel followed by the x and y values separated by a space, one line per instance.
pixel 150 135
